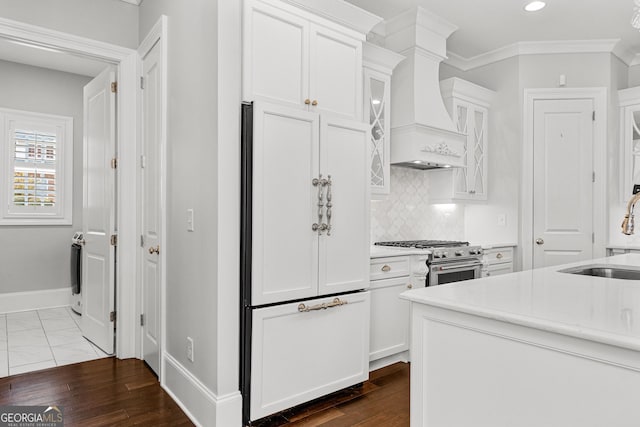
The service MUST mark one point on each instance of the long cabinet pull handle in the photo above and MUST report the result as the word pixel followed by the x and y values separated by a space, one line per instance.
pixel 302 308
pixel 320 183
pixel 329 205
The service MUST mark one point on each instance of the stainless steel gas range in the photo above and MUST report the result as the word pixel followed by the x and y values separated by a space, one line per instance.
pixel 448 261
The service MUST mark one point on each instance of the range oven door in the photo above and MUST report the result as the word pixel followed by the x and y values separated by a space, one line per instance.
pixel 454 271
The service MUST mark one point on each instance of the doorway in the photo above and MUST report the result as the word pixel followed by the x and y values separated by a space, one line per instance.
pixel 564 179
pixel 125 60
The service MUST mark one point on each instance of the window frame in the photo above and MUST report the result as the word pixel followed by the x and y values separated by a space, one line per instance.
pixel 62 213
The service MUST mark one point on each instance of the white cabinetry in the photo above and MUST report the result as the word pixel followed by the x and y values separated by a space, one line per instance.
pixel 629 140
pixel 292 148
pixel 468 105
pixel 497 261
pixel 620 250
pixel 298 58
pixel 390 317
pixel 378 67
pixel 300 355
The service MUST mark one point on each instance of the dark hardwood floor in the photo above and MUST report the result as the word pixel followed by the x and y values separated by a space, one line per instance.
pixel 112 392
pixel 382 401
pixel 104 392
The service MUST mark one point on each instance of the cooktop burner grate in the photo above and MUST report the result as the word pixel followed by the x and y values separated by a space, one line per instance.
pixel 423 244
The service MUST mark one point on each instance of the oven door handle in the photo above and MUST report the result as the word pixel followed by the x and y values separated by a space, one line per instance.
pixel 457 267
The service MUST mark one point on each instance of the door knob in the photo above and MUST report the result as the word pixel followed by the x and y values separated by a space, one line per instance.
pixel 539 241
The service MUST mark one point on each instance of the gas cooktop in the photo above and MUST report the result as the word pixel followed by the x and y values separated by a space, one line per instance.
pixel 423 244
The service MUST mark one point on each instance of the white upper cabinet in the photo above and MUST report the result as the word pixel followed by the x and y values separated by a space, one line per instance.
pixel 378 66
pixel 629 140
pixel 294 56
pixel 468 104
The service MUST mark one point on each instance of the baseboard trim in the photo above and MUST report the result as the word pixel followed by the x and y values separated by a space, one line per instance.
pixel 34 300
pixel 199 403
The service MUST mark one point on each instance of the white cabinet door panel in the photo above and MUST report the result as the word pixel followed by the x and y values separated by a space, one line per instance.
pixel 344 250
pixel 276 55
pixel 389 318
pixel 335 72
pixel 285 249
pixel 299 356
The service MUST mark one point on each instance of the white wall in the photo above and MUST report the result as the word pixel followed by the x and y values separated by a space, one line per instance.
pixel 110 21
pixel 24 87
pixel 204 55
pixel 505 134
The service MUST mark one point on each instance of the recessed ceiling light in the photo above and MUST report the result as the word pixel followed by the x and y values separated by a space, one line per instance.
pixel 535 6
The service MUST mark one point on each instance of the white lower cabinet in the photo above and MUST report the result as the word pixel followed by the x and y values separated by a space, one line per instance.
pixel 389 318
pixel 497 261
pixel 301 355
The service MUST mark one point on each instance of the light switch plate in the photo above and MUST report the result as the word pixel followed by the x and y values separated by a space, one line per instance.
pixel 502 220
pixel 190 220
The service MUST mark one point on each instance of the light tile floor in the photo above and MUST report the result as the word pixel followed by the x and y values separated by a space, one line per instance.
pixel 33 340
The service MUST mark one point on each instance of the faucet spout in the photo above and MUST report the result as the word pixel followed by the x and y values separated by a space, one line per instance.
pixel 627 222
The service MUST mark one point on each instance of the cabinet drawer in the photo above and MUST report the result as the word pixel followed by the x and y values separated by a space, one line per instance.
pixel 299 356
pixel 498 269
pixel 385 268
pixel 498 255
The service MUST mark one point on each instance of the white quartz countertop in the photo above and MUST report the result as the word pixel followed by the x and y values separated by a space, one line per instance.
pixel 594 308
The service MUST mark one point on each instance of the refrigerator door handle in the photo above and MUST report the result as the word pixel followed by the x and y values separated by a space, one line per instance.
pixel 302 308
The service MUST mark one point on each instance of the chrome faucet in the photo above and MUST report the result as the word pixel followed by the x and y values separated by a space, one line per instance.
pixel 627 222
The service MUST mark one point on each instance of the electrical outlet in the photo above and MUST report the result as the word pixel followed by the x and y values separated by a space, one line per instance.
pixel 190 349
pixel 502 220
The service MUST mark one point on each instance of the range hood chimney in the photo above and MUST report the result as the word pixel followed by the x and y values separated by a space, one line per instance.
pixel 423 135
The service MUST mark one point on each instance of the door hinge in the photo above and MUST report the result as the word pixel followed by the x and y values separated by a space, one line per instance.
pixel 593 237
pixel 141 82
pixel 143 161
pixel 114 240
pixel 593 116
pixel 141 241
pixel 112 316
pixel 114 87
pixel 142 320
pixel 114 163
pixel 593 177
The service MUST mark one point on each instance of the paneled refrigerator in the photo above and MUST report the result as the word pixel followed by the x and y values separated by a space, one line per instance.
pixel 304 256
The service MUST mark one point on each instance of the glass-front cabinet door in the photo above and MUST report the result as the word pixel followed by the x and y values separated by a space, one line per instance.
pixel 629 141
pixel 377 94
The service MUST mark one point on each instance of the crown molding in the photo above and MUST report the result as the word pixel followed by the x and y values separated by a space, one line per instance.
pixel 341 12
pixel 613 46
pixel 135 2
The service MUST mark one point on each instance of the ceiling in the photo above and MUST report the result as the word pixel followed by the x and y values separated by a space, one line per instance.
pixel 487 25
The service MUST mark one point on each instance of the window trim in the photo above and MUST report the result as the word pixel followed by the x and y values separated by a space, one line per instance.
pixel 63 214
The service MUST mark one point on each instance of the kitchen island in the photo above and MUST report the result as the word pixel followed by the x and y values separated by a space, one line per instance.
pixel 534 348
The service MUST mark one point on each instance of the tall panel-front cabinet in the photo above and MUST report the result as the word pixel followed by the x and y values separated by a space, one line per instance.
pixel 468 105
pixel 378 67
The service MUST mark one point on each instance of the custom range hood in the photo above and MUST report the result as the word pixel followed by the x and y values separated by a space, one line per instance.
pixel 423 135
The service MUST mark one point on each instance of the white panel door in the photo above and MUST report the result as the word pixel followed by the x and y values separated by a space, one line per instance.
pixel 151 207
pixel 297 356
pixel 98 221
pixel 285 204
pixel 344 248
pixel 563 187
pixel 276 55
pixel 335 69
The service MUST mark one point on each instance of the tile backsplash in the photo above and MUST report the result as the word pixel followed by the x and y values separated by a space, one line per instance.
pixel 406 214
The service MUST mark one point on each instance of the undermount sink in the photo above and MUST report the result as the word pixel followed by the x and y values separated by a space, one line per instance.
pixel 605 271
